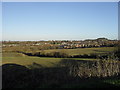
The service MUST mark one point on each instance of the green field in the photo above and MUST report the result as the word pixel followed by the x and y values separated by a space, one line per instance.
pixel 29 60
pixel 82 50
pixel 18 58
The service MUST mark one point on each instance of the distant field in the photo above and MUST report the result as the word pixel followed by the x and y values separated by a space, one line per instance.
pixel 83 50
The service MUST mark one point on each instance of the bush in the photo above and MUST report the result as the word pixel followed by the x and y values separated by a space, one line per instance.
pixel 99 68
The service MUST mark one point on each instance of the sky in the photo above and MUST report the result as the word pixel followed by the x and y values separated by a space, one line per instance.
pixel 59 20
pixel 0 20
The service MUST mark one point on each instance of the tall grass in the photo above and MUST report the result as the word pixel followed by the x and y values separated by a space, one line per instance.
pixel 100 68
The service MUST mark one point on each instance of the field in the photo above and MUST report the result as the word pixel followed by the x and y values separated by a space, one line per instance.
pixel 18 58
pixel 83 50
pixel 22 71
pixel 24 60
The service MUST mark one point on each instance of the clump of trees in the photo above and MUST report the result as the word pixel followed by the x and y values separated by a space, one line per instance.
pixel 62 54
pixel 43 54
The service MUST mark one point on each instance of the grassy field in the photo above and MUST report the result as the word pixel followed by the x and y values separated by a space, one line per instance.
pixel 25 60
pixel 82 50
pixel 29 60
pixel 48 62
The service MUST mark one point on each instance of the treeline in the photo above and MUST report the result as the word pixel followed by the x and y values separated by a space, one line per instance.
pixel 43 54
pixel 65 55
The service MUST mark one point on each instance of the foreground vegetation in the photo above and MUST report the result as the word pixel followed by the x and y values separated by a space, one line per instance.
pixel 66 74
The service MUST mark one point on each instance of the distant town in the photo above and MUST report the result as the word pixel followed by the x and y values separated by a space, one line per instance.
pixel 63 44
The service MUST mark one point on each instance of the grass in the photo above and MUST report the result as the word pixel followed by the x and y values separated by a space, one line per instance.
pixel 12 54
pixel 115 81
pixel 50 75
pixel 96 83
pixel 82 50
pixel 28 60
pixel 19 58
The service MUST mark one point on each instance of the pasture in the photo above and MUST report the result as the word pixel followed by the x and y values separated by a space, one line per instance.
pixel 81 51
pixel 19 58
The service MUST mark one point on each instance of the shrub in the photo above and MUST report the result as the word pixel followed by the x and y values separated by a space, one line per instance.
pixel 99 68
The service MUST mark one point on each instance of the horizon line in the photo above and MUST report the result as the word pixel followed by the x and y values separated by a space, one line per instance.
pixel 61 39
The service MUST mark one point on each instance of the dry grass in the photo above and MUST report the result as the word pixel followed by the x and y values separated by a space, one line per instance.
pixel 99 68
